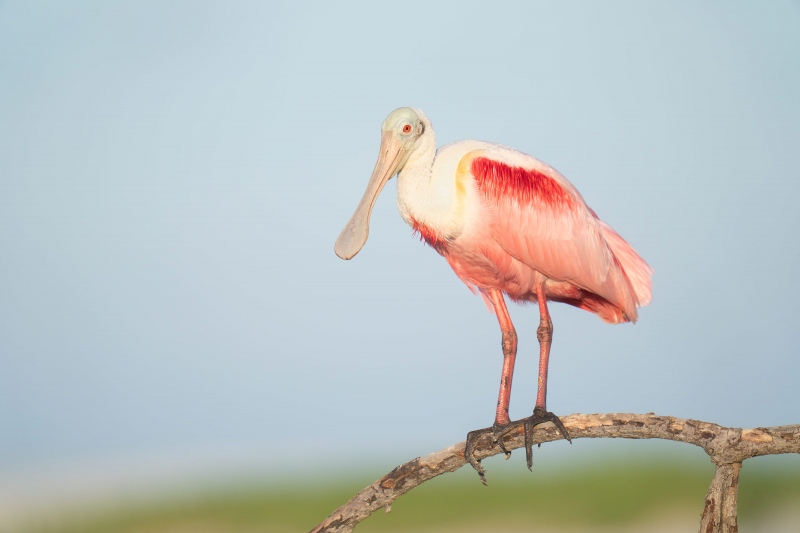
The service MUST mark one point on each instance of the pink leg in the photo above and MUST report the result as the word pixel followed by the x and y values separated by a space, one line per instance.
pixel 501 420
pixel 502 425
pixel 545 336
pixel 509 357
pixel 540 412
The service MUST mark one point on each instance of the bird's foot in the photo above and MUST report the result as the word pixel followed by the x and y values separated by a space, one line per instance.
pixel 540 416
pixel 497 432
pixel 469 453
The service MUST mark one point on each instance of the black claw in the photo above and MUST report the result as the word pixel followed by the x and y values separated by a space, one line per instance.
pixel 529 424
pixel 469 453
pixel 540 416
pixel 498 432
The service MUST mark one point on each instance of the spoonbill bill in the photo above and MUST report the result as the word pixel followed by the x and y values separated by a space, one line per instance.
pixel 508 224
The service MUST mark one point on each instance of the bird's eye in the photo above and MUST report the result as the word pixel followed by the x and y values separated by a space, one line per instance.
pixel 407 128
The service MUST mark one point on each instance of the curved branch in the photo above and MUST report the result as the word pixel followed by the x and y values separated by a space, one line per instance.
pixel 727 448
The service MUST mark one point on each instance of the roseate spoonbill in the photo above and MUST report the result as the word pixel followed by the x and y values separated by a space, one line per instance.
pixel 508 224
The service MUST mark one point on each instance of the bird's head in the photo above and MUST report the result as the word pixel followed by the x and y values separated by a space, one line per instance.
pixel 401 133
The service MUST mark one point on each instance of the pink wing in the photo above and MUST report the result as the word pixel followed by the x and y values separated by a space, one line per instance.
pixel 542 221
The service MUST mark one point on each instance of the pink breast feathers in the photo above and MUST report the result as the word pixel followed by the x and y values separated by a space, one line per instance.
pixel 500 181
pixel 428 235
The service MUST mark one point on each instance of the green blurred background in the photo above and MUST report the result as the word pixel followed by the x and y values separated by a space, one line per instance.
pixel 661 492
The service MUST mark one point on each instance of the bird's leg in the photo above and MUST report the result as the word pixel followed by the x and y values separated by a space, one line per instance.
pixel 501 420
pixel 545 335
pixel 540 413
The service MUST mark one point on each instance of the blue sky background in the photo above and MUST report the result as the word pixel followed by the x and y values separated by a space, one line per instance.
pixel 173 176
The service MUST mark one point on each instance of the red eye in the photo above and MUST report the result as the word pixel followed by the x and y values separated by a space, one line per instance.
pixel 407 128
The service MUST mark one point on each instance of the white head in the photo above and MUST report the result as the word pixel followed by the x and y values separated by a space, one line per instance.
pixel 403 131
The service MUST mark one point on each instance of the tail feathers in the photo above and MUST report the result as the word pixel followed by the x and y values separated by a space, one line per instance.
pixel 635 268
pixel 589 301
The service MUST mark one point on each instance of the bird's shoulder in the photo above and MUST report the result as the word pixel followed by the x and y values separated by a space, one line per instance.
pixel 503 173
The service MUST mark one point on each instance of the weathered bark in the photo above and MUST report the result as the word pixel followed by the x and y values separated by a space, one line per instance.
pixel 727 448
pixel 719 513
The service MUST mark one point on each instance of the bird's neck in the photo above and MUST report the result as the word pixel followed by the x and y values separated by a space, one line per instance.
pixel 427 200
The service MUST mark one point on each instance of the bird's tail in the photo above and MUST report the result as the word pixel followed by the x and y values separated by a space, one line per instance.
pixel 637 271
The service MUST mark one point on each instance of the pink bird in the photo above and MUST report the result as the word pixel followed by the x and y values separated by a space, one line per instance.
pixel 509 224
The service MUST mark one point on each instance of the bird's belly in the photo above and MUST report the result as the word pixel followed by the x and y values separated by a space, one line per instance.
pixel 487 268
pixel 490 268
